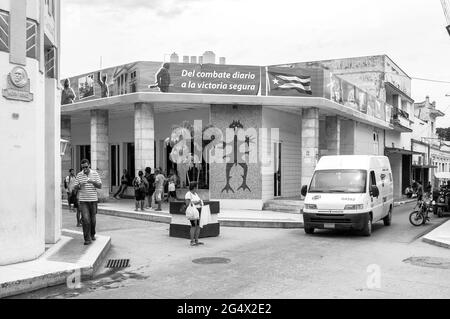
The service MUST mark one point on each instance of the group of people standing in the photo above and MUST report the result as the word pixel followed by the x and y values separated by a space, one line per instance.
pixel 148 187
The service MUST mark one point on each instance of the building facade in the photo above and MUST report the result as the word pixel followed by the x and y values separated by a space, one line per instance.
pixel 270 125
pixel 30 119
pixel 381 77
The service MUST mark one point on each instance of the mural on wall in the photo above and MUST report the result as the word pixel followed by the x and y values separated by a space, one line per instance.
pixel 235 173
pixel 86 86
pixel 236 125
pixel 335 88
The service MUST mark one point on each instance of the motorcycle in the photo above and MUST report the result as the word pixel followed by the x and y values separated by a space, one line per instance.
pixel 419 216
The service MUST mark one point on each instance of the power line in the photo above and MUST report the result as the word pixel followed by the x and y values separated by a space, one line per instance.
pixel 430 80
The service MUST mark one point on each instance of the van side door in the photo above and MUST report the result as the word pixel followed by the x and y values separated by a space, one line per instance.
pixel 376 202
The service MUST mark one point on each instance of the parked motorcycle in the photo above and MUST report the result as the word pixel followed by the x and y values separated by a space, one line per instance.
pixel 419 216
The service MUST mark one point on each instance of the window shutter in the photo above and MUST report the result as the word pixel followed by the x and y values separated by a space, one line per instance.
pixel 4 31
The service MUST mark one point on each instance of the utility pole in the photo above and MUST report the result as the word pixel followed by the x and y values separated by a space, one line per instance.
pixel 446 7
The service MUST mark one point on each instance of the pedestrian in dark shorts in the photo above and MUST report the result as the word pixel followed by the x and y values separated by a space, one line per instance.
pixel 192 197
pixel 140 189
pixel 151 185
pixel 76 206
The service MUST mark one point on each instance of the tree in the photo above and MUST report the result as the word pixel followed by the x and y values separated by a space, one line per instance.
pixel 443 133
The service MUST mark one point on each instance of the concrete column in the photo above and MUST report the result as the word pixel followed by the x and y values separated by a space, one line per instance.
pixel 347 136
pixel 100 149
pixel 66 159
pixel 333 134
pixel 310 143
pixel 144 136
pixel 52 151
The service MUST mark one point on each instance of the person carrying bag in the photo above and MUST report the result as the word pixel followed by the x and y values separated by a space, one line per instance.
pixel 194 206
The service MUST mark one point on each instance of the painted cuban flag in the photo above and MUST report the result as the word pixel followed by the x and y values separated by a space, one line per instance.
pixel 280 81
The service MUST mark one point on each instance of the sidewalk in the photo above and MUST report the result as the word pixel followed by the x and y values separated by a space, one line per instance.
pixel 68 259
pixel 439 236
pixel 227 217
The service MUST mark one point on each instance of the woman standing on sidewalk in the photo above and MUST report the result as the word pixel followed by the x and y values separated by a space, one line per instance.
pixel 192 197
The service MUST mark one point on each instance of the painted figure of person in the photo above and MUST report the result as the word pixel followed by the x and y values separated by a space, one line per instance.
pixel 102 79
pixel 162 78
pixel 67 94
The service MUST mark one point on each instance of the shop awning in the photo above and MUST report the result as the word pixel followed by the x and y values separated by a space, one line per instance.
pixel 442 175
pixel 396 150
pixel 423 166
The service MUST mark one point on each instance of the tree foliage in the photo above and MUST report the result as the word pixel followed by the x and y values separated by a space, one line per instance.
pixel 443 133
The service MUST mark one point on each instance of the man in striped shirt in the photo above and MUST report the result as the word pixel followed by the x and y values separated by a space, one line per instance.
pixel 87 182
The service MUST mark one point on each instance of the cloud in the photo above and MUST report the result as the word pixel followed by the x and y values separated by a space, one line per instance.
pixel 161 8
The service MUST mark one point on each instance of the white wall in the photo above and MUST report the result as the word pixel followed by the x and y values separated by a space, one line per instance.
pixel 22 143
pixel 289 126
pixel 364 141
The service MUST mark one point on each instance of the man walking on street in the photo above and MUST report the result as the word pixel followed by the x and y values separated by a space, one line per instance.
pixel 87 182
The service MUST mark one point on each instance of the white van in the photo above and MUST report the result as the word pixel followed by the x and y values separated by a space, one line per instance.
pixel 349 192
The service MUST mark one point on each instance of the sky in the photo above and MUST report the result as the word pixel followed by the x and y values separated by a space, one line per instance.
pixel 262 32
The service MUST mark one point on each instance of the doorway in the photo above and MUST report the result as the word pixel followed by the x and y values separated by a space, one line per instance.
pixel 277 170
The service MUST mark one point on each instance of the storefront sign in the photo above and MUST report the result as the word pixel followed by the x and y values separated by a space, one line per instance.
pixel 214 79
pixel 18 85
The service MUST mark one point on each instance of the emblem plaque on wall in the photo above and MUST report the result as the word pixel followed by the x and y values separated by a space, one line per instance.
pixel 18 85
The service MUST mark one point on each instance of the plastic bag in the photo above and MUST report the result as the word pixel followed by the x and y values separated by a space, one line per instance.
pixel 205 218
pixel 192 213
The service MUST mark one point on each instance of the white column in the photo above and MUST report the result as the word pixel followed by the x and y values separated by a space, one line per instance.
pixel 144 136
pixel 310 143
pixel 333 134
pixel 53 179
pixel 100 149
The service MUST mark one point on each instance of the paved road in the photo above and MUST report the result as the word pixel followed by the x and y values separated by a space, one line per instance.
pixel 269 263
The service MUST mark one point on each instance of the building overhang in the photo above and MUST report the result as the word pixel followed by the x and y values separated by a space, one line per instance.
pixel 423 166
pixel 396 150
pixel 170 102
pixel 401 128
pixel 392 89
pixel 436 112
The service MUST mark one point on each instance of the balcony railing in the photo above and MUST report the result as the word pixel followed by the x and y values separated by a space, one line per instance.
pixel 396 112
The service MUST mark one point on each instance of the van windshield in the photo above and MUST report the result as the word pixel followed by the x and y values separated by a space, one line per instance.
pixel 338 181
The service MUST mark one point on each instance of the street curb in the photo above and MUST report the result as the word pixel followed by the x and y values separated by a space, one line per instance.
pixel 146 216
pixel 160 218
pixel 260 223
pixel 404 202
pixel 436 243
pixel 56 278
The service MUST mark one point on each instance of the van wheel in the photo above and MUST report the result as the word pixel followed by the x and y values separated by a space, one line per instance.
pixel 309 230
pixel 388 219
pixel 367 230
